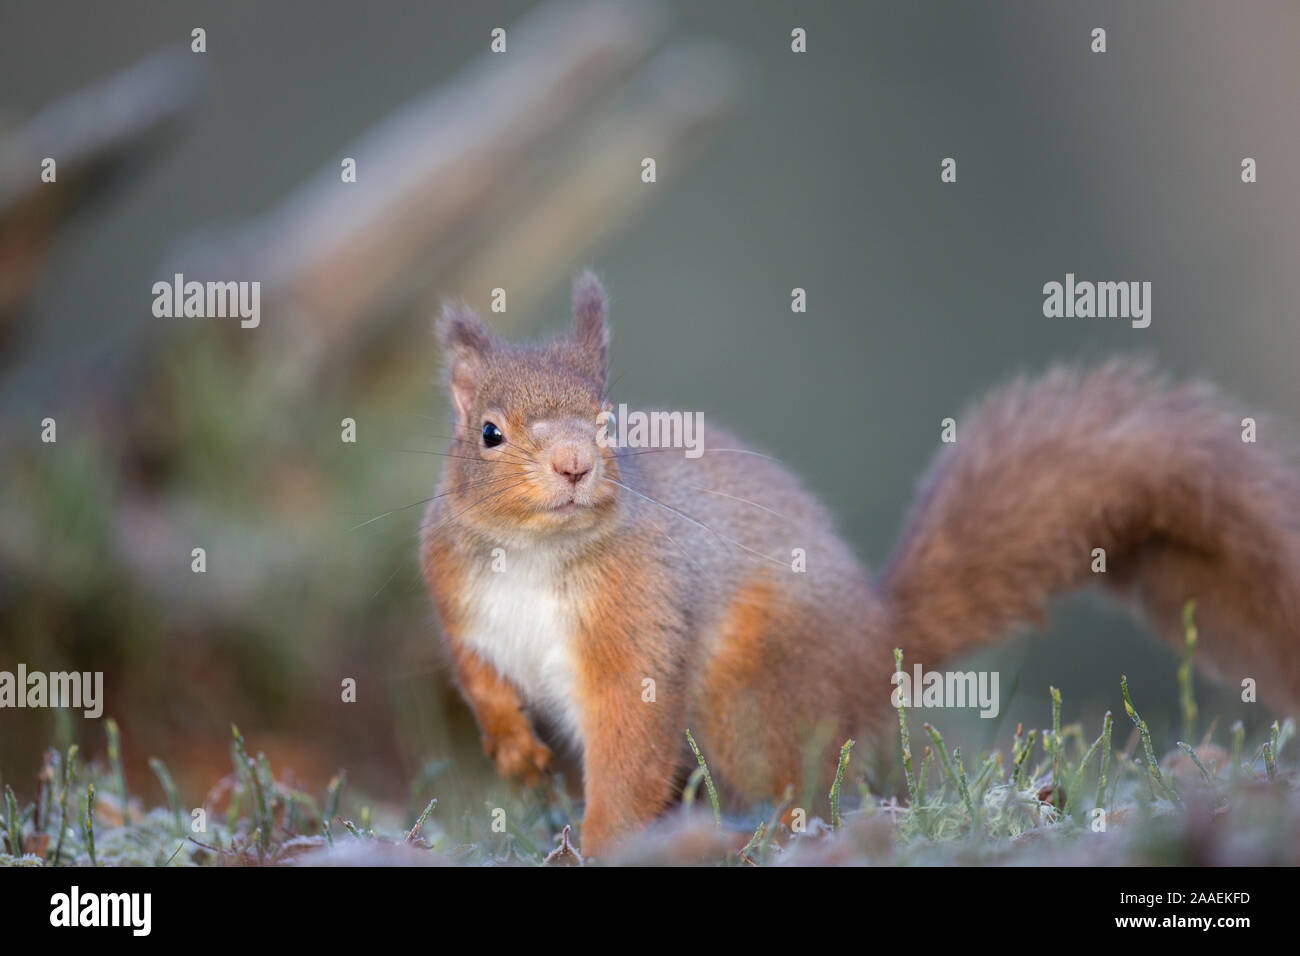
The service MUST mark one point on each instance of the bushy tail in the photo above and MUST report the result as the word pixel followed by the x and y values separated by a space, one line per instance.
pixel 1044 472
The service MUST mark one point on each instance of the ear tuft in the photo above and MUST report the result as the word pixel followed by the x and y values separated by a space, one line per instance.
pixel 465 343
pixel 590 311
pixel 461 332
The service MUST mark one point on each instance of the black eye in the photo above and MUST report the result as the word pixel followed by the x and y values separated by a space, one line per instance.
pixel 492 435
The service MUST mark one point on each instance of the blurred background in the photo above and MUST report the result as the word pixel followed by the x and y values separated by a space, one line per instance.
pixel 477 170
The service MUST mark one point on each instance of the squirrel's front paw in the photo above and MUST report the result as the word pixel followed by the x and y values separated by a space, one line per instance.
pixel 518 755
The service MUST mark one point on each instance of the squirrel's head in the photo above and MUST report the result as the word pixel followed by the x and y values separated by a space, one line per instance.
pixel 526 456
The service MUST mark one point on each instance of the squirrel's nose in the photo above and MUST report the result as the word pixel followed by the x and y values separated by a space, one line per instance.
pixel 572 461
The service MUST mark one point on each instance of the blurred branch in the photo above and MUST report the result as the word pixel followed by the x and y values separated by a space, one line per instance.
pixel 517 162
pixel 334 250
pixel 94 135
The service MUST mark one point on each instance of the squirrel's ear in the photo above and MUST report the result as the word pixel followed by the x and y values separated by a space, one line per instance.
pixel 590 308
pixel 465 344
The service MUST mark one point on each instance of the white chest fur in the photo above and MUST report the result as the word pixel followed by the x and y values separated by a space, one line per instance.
pixel 520 619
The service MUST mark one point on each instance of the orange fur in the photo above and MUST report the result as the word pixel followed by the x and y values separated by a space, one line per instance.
pixel 632 756
pixel 744 729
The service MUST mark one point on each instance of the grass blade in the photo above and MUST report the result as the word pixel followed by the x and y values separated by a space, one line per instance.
pixel 902 731
pixel 88 824
pixel 1186 699
pixel 169 788
pixel 1145 734
pixel 839 779
pixel 1105 759
pixel 708 781
pixel 69 771
pixel 115 761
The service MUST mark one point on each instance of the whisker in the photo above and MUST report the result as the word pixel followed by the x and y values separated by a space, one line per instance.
pixel 413 504
pixel 653 501
pixel 499 491
pixel 744 501
pixel 509 459
pixel 506 441
pixel 523 452
pixel 522 457
pixel 685 555
pixel 610 387
pixel 387 582
pixel 443 494
pixel 440 454
pixel 707 451
pixel 758 554
pixel 681 514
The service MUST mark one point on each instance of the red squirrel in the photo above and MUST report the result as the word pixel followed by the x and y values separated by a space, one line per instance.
pixel 624 595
